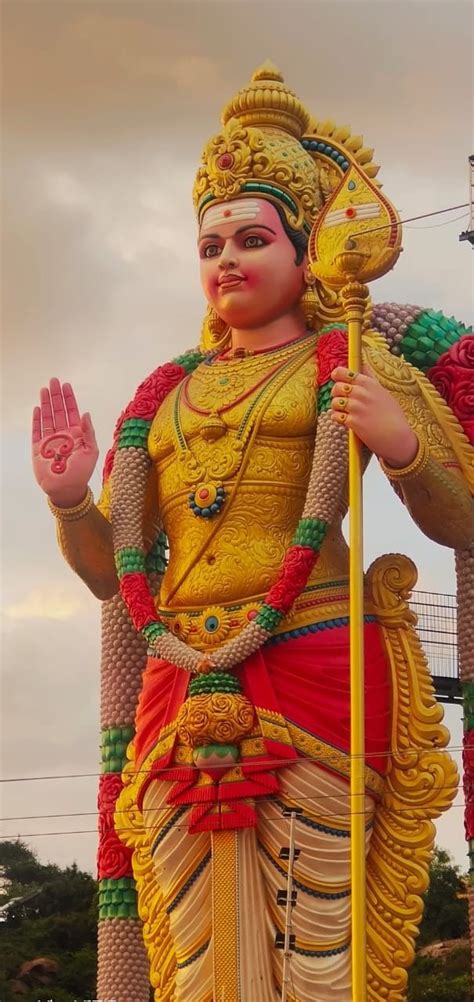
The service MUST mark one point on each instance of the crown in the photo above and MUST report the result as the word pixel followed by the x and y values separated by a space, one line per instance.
pixel 259 152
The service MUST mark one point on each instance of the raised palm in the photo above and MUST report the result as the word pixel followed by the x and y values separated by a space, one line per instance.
pixel 64 445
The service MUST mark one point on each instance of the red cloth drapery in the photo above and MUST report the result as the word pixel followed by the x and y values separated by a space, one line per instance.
pixel 305 679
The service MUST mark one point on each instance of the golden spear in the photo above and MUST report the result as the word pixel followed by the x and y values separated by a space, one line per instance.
pixel 355 239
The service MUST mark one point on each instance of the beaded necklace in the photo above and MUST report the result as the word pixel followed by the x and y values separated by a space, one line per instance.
pixel 129 479
pixel 208 493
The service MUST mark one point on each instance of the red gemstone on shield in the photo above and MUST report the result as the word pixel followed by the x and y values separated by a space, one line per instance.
pixel 252 614
pixel 203 493
pixel 350 213
pixel 225 161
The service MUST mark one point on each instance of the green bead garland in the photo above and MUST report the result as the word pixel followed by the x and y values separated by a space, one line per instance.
pixel 114 743
pixel 310 532
pixel 428 337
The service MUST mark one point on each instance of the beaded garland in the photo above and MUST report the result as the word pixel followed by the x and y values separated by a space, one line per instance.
pixel 133 563
pixel 301 556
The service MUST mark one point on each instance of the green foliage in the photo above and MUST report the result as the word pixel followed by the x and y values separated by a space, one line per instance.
pixel 433 980
pixel 446 912
pixel 58 914
pixel 57 922
pixel 444 978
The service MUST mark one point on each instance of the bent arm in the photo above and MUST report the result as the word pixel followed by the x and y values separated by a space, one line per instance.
pixel 435 487
pixel 438 500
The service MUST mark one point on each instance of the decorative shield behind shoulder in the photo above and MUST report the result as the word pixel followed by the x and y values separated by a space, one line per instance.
pixel 357 217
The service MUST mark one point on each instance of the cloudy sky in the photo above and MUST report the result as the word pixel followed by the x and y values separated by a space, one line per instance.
pixel 105 110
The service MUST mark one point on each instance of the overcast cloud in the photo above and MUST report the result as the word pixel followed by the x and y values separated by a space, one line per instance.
pixel 106 109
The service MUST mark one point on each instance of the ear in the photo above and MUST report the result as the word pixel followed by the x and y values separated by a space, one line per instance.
pixel 308 274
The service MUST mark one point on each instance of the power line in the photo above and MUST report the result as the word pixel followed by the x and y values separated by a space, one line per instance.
pixel 412 219
pixel 448 222
pixel 177 827
pixel 147 810
pixel 409 752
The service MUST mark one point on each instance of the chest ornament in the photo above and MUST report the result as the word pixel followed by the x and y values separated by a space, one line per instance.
pixel 206 479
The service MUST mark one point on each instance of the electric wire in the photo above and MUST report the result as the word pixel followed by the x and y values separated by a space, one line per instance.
pixel 180 827
pixel 410 752
pixel 259 800
pixel 413 219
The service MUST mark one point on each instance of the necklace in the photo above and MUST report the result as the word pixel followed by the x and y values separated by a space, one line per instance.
pixel 214 429
pixel 208 493
pixel 231 354
pixel 325 487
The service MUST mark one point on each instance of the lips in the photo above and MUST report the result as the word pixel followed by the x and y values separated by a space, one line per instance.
pixel 230 281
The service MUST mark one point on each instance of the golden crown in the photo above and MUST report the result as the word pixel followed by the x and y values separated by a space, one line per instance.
pixel 272 148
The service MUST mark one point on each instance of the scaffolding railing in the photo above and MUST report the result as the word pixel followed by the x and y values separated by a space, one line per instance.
pixel 437 622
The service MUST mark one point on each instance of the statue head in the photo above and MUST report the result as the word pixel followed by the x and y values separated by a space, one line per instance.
pixel 252 270
pixel 273 165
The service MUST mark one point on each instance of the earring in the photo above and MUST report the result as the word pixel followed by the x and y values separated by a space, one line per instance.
pixel 215 324
pixel 310 305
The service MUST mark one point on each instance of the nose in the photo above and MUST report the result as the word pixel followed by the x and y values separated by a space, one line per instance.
pixel 228 257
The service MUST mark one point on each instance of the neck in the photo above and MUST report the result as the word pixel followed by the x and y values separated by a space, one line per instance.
pixel 286 328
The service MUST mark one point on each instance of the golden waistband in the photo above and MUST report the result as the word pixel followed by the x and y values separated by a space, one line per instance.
pixel 207 628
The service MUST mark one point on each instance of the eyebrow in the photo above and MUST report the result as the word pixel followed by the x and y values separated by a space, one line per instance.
pixel 242 229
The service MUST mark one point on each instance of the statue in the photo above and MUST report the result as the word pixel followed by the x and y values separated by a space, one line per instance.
pixel 225 685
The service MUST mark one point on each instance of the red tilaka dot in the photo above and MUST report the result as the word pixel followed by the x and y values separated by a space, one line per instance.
pixel 227 212
pixel 350 213
pixel 203 493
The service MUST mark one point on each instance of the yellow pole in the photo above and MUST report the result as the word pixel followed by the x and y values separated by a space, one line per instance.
pixel 354 296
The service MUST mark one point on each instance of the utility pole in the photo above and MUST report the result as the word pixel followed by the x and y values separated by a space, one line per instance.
pixel 286 940
pixel 469 233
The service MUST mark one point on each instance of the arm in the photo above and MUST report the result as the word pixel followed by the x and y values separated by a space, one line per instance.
pixel 436 497
pixel 397 414
pixel 85 541
pixel 64 456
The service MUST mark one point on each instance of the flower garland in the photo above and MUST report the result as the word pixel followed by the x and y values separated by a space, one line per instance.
pixel 130 462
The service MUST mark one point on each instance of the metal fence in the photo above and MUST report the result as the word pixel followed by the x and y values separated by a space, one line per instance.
pixel 437 631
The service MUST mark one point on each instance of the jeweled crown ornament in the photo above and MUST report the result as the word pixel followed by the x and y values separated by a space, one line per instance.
pixel 271 147
pixel 260 153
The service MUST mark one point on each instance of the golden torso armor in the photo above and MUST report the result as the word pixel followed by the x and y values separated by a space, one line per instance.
pixel 232 559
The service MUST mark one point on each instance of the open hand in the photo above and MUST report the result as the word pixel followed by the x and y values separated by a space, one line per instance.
pixel 64 446
pixel 359 402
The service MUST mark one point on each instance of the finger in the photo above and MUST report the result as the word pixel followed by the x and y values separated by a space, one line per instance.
pixel 47 419
pixel 70 401
pixel 340 404
pixel 340 417
pixel 342 389
pixel 88 430
pixel 57 403
pixel 36 426
pixel 344 374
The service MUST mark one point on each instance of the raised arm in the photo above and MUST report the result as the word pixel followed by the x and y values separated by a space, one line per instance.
pixel 64 457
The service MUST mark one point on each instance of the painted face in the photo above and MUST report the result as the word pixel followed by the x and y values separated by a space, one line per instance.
pixel 248 270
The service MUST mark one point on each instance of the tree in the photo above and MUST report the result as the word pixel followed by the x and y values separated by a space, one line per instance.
pixel 52 915
pixel 446 911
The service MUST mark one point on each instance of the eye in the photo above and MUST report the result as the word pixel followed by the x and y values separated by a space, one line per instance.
pixel 254 241
pixel 212 250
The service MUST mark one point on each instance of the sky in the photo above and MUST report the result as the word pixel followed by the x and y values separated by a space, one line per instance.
pixel 106 108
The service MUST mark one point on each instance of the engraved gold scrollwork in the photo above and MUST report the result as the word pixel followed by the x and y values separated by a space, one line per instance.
pixel 420 784
pixel 151 908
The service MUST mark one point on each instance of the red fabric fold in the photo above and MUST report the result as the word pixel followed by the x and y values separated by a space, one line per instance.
pixel 302 681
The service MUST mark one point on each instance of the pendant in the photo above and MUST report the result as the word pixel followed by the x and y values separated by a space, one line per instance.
pixel 213 428
pixel 207 500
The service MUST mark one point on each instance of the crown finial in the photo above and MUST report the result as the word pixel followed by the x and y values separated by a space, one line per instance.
pixel 267 102
pixel 267 71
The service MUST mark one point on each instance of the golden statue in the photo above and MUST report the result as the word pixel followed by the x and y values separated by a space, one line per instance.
pixel 234 457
